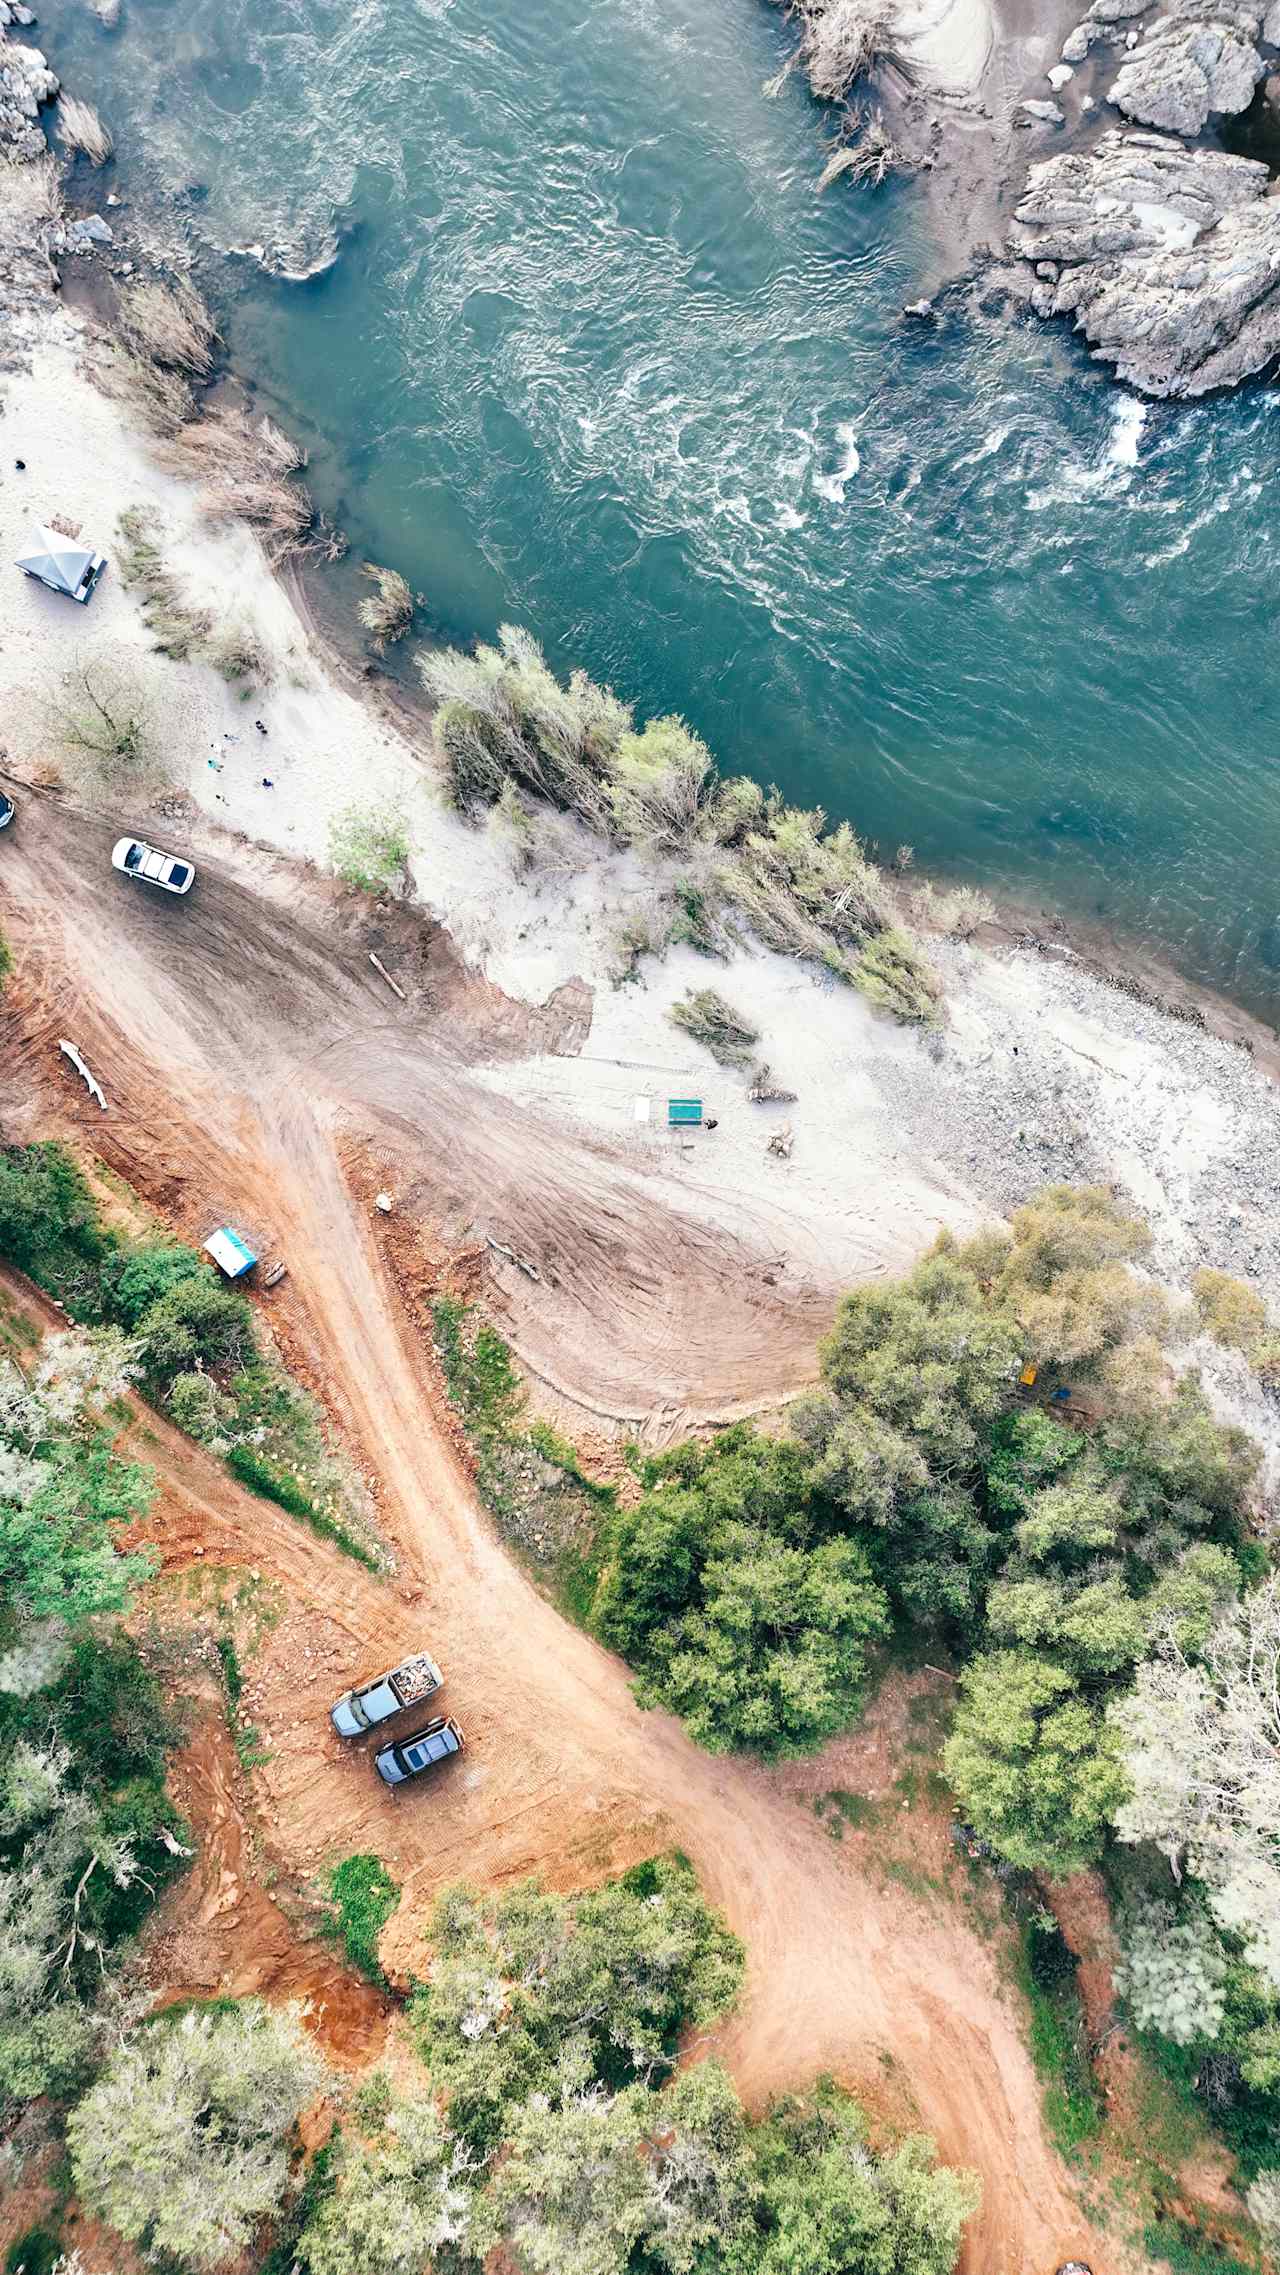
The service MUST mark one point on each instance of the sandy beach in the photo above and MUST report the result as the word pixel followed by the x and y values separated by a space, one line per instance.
pixel 1040 1070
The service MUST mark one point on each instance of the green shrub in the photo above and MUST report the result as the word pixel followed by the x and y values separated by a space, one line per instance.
pixel 1072 2108
pixel 6 961
pixel 35 2253
pixel 274 1484
pixel 196 1318
pixel 48 1222
pixel 713 1022
pixel 369 850
pixel 136 1278
pixel 364 1896
pixel 892 974
pixel 1189 2252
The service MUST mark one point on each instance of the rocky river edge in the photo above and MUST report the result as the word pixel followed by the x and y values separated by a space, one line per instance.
pixel 1160 244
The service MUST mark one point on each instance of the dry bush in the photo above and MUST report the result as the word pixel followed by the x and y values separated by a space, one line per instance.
pixel 388 611
pixel 163 400
pixel 29 195
pixel 893 975
pixel 80 128
pixel 180 631
pixel 106 730
pixel 1230 1310
pixel 839 42
pixel 238 464
pixel 236 651
pixel 168 324
pixel 711 1021
pixel 503 718
pixel 286 455
pixel 957 913
pixel 871 158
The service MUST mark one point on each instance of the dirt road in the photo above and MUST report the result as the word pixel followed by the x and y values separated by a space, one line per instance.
pixel 240 1039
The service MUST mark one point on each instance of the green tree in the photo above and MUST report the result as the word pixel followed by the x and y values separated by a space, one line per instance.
pixel 196 1319
pixel 88 1837
pixel 827 2206
pixel 183 2142
pixel 57 1559
pixel 136 1278
pixel 570 2194
pixel 47 1215
pixel 1033 1762
pixel 620 1970
pixel 396 2202
pixel 699 2178
pixel 915 1375
pixel 773 1659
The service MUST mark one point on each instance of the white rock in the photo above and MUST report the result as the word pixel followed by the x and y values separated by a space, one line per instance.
pixel 1169 258
pixel 1189 69
pixel 1059 76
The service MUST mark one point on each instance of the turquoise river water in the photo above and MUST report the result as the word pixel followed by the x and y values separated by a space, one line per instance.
pixel 593 357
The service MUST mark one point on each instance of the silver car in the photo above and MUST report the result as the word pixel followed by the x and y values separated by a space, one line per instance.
pixel 412 1683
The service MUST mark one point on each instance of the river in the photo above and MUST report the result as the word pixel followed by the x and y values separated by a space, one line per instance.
pixel 593 357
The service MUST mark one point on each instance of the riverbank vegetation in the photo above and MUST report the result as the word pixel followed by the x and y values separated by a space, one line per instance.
pixel 741 860
pixel 188 1339
pixel 386 612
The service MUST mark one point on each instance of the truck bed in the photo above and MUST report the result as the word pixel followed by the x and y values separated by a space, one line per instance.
pixel 414 1679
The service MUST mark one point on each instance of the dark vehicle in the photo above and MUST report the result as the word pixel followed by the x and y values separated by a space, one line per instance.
pixel 7 810
pixel 424 1750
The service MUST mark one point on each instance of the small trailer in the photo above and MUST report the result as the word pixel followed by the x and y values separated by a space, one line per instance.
pixel 61 563
pixel 232 1255
pixel 408 1684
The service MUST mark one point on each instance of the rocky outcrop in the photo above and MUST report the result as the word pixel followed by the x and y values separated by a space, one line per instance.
pixel 25 83
pixel 1168 259
pixel 1107 20
pixel 1193 65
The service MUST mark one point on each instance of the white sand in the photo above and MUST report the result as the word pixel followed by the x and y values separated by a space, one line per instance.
pixel 1039 1073
pixel 946 43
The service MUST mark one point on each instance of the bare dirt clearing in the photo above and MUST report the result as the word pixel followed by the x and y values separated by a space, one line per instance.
pixel 240 1046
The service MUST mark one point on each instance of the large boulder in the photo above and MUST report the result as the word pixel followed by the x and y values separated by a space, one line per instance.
pixel 1196 63
pixel 1107 20
pixel 1168 259
pixel 25 83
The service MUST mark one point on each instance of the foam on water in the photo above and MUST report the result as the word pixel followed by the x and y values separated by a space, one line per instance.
pixel 833 485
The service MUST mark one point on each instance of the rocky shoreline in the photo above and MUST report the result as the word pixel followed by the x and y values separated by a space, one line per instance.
pixel 1159 245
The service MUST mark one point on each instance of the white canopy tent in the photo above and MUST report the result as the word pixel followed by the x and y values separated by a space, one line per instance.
pixel 62 563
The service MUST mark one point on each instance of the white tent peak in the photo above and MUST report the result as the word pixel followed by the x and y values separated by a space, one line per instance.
pixel 61 562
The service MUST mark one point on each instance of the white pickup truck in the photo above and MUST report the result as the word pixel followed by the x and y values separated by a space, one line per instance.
pixel 406 1685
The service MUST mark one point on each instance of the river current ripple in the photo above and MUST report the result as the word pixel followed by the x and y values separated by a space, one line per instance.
pixel 594 357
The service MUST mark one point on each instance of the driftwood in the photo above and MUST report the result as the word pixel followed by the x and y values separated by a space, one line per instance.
pixel 394 985
pixel 871 158
pixel 781 1142
pixel 764 1090
pixel 521 1263
pixel 94 1088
